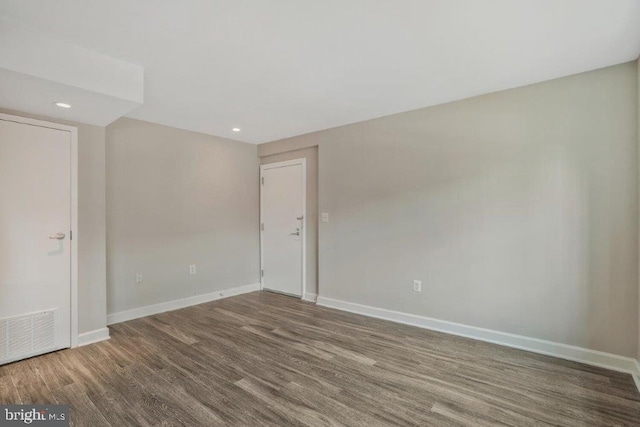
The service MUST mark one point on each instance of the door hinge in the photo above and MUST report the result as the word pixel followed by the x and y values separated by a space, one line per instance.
pixel 261 273
pixel 262 179
pixel 71 235
pixel 262 226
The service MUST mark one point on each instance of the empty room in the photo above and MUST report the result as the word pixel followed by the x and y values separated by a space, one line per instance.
pixel 319 213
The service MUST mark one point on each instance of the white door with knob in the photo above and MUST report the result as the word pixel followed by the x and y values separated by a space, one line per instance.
pixel 282 218
pixel 35 246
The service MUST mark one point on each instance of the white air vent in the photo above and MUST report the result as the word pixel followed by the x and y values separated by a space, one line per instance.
pixel 26 335
pixel 3 339
pixel 43 331
pixel 19 336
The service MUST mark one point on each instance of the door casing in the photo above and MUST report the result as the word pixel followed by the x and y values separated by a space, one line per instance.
pixel 73 131
pixel 303 163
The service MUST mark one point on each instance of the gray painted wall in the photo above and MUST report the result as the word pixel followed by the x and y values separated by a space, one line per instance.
pixel 92 299
pixel 311 154
pixel 518 210
pixel 176 198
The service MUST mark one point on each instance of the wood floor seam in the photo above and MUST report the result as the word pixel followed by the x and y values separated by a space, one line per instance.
pixel 265 359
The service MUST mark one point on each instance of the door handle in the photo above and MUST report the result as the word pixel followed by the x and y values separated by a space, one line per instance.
pixel 58 236
pixel 297 233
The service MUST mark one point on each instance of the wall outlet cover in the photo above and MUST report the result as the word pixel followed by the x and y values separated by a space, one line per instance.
pixel 417 286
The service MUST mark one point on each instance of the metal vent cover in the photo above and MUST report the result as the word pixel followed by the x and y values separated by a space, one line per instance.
pixel 26 335
pixel 3 339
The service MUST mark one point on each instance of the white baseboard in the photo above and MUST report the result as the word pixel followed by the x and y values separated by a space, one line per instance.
pixel 563 351
pixel 91 337
pixel 148 310
pixel 308 296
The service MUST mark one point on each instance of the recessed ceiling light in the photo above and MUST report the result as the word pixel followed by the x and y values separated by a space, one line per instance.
pixel 63 105
pixel 236 129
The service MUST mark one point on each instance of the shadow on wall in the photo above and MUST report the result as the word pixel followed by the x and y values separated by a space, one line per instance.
pixel 515 229
pixel 177 198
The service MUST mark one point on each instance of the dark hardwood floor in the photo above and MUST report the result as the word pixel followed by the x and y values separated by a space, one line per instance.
pixel 266 359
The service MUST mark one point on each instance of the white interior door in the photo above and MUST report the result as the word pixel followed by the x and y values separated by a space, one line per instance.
pixel 35 247
pixel 282 213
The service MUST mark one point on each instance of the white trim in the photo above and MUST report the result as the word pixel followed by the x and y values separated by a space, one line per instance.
pixel 148 310
pixel 73 131
pixel 636 375
pixel 283 164
pixel 302 162
pixel 310 297
pixel 563 351
pixel 91 337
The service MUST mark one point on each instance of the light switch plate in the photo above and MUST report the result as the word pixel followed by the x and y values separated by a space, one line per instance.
pixel 325 216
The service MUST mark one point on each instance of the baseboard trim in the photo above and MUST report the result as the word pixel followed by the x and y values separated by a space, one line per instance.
pixel 91 337
pixel 550 348
pixel 308 296
pixel 636 375
pixel 148 310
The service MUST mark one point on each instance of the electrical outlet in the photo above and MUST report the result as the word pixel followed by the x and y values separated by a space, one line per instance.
pixel 138 277
pixel 192 269
pixel 325 216
pixel 417 286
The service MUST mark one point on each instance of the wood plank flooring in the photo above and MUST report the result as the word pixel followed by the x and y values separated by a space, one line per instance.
pixel 267 359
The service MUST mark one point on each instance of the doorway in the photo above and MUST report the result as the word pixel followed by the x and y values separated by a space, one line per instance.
pixel 38 220
pixel 282 227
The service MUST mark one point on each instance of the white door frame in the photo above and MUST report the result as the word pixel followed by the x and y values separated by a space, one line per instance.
pixel 303 163
pixel 74 209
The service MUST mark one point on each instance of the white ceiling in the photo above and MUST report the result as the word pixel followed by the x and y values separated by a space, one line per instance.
pixel 281 68
pixel 37 71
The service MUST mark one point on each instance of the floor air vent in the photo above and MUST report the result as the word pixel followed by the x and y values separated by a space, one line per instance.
pixel 3 339
pixel 27 334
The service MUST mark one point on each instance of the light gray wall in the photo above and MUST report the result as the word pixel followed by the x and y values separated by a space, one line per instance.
pixel 92 299
pixel 176 198
pixel 518 210
pixel 311 154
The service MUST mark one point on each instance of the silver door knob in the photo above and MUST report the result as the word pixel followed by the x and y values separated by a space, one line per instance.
pixel 57 236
